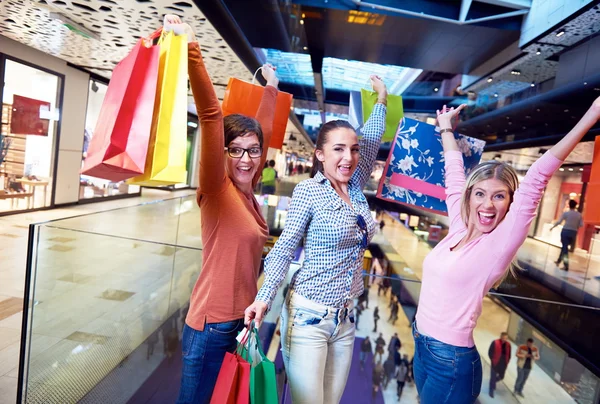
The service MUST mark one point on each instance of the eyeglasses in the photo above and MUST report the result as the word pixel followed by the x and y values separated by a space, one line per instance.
pixel 362 225
pixel 238 152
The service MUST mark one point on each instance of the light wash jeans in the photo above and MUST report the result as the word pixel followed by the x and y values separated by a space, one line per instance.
pixel 317 343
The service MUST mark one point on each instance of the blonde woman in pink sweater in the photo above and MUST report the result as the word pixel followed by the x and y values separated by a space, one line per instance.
pixel 489 214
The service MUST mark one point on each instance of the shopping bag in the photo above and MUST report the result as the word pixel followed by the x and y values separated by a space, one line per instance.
pixel 233 381
pixel 244 98
pixel 395 112
pixel 119 145
pixel 355 113
pixel 263 380
pixel 414 170
pixel 166 158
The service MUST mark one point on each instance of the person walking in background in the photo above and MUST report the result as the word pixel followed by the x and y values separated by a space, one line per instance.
pixel 377 379
pixel 490 215
pixel 269 176
pixel 359 310
pixel 389 367
pixel 331 213
pixel 401 375
pixel 499 353
pixel 376 318
pixel 231 157
pixel 365 349
pixel 573 221
pixel 381 225
pixel 379 346
pixel 395 343
pixel 527 354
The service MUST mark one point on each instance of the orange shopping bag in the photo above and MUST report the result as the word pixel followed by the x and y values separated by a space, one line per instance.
pixel 244 98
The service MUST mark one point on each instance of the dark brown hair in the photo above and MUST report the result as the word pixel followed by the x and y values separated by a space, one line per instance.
pixel 237 125
pixel 322 138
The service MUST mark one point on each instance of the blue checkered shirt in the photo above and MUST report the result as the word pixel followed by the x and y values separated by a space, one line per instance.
pixel 331 273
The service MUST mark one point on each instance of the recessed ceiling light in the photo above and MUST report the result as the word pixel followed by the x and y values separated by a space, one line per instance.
pixel 561 169
pixel 560 33
pixel 566 110
pixel 301 22
pixel 539 52
pixel 538 110
pixel 436 89
pixel 585 83
pixel 305 48
pixel 581 169
pixel 570 169
pixel 303 15
pixel 489 80
pixel 532 84
pixel 496 95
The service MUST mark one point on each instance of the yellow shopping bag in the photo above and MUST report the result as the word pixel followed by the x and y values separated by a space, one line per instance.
pixel 166 158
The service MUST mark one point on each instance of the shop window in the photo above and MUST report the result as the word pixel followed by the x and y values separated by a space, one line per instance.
pixel 28 136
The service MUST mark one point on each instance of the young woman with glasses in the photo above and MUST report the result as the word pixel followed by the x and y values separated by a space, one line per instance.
pixel 331 212
pixel 234 231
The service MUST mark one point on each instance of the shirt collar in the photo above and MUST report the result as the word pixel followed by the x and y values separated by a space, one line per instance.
pixel 321 179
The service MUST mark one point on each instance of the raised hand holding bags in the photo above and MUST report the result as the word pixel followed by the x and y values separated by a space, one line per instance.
pixel 166 158
pixel 414 171
pixel 244 98
pixel 395 112
pixel 119 145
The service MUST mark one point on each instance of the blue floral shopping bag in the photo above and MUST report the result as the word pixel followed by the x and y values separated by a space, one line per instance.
pixel 414 171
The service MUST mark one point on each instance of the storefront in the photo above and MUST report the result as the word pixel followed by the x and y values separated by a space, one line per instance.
pixel 30 128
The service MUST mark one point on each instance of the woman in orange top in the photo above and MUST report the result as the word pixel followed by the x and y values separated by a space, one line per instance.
pixel 233 228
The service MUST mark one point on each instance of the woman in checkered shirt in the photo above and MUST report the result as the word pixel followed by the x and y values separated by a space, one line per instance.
pixel 330 211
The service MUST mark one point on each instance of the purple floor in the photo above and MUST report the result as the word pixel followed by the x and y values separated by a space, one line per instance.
pixel 358 387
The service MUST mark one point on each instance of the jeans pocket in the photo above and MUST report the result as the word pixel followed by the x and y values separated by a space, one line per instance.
pixel 228 328
pixel 477 377
pixel 304 317
pixel 187 340
pixel 441 353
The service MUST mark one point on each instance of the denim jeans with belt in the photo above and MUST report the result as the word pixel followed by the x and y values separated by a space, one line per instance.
pixel 203 353
pixel 317 343
pixel 445 373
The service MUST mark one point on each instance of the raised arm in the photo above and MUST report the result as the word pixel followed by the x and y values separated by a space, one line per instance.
pixel 212 163
pixel 454 165
pixel 266 113
pixel 280 257
pixel 512 231
pixel 371 134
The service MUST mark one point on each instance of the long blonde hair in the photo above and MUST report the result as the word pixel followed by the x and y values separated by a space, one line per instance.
pixel 485 171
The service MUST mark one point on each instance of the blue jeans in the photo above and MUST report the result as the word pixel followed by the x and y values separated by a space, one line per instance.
pixel 522 375
pixel 445 373
pixel 203 353
pixel 567 238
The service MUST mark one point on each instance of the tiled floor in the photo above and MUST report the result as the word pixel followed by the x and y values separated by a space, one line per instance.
pixel 88 305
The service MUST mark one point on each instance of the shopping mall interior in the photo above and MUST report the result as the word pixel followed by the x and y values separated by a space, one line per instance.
pixel 96 274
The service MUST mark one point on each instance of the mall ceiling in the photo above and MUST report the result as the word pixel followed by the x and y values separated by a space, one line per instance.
pixel 106 30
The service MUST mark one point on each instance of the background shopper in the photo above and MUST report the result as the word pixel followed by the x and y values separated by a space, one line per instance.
pixel 499 354
pixel 527 355
pixel 573 221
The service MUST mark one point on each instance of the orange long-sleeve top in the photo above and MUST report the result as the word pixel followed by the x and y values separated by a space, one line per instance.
pixel 234 231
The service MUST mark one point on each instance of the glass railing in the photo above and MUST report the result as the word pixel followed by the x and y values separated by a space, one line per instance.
pixel 108 296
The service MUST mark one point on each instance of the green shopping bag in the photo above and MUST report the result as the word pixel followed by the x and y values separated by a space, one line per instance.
pixel 395 112
pixel 263 382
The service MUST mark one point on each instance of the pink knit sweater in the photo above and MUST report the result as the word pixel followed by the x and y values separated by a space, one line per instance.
pixel 455 282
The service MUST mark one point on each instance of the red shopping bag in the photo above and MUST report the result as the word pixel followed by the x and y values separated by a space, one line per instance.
pixel 233 382
pixel 119 143
pixel 244 98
